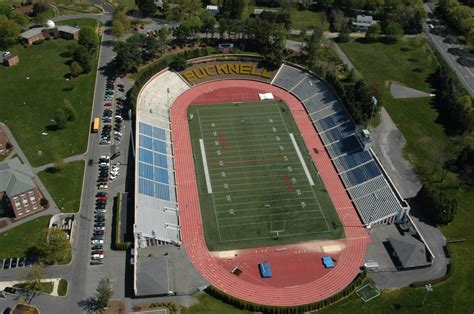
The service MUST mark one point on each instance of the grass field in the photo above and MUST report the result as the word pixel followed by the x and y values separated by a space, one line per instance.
pixel 62 288
pixel 258 191
pixel 16 242
pixel 46 287
pixel 307 20
pixel 207 304
pixel 65 186
pixel 33 90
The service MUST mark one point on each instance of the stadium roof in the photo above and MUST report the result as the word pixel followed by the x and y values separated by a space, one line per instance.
pixel 156 207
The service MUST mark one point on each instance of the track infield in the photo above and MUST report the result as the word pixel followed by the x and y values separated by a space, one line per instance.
pixel 257 183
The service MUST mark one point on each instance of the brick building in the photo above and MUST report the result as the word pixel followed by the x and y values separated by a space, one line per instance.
pixel 19 195
pixel 50 31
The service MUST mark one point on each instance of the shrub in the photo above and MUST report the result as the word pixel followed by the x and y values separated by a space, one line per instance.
pixel 44 202
pixel 8 145
pixel 38 42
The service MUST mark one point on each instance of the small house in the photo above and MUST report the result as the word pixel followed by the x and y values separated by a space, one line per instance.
pixel 363 22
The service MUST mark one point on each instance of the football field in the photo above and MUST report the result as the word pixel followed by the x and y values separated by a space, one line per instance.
pixel 257 183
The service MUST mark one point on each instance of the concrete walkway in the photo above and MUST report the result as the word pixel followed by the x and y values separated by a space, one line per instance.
pixel 402 92
pixel 344 58
pixel 66 160
pixel 53 208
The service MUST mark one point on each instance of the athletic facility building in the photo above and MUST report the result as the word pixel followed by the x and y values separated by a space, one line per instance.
pixel 243 166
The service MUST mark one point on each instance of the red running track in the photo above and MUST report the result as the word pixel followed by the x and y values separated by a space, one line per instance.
pixel 212 267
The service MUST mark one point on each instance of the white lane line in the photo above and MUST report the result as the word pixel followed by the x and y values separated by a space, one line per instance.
pixel 204 163
pixel 308 175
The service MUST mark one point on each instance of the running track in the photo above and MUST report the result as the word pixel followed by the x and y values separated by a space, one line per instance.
pixel 210 266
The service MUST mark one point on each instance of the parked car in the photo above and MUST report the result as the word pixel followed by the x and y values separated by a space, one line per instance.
pixel 99 224
pixel 28 262
pixel 97 247
pixel 117 154
pixel 21 261
pixel 14 262
pixel 97 252
pixel 97 241
pixel 97 262
pixel 1 262
pixel 97 256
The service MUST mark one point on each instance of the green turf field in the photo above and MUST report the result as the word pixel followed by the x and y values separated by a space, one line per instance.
pixel 257 191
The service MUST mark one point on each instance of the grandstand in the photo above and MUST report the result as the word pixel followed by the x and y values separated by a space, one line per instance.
pixel 156 207
pixel 375 198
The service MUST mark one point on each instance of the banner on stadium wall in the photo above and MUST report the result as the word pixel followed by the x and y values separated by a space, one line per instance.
pixel 206 71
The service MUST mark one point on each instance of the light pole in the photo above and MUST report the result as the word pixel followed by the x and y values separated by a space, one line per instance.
pixel 374 104
pixel 428 288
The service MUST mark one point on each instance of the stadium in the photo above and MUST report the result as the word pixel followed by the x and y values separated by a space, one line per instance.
pixel 240 167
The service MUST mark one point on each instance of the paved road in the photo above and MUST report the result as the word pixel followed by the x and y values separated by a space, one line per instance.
pixel 464 73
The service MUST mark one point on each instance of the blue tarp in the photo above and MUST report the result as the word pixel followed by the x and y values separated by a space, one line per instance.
pixel 328 262
pixel 265 270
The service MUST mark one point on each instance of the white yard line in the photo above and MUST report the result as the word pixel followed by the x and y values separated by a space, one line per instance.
pixel 305 168
pixel 206 169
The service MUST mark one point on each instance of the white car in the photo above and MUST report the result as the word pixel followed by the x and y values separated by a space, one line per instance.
pixel 99 228
pixel 118 133
pixel 115 168
pixel 104 157
pixel 97 242
pixel 103 187
pixel 97 256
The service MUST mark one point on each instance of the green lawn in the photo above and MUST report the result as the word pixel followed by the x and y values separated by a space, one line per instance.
pixel 46 287
pixel 426 144
pixel 33 90
pixel 308 20
pixel 75 8
pixel 65 186
pixel 62 288
pixel 16 242
pixel 259 185
pixel 207 304
pixel 79 22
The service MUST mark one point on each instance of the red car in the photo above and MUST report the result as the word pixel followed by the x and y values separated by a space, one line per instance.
pixel 102 198
pixel 108 104
pixel 97 252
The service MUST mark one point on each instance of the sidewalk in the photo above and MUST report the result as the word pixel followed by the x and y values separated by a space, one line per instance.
pixel 66 160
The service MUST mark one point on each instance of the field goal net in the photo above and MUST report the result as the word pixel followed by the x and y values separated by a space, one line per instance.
pixel 368 292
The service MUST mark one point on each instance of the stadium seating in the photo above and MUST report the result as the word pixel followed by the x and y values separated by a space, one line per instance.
pixel 156 202
pixel 361 175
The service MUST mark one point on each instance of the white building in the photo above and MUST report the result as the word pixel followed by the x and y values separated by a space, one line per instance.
pixel 363 22
pixel 213 9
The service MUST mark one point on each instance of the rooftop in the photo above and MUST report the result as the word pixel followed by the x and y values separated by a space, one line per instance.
pixel 15 177
pixel 31 32
pixel 68 29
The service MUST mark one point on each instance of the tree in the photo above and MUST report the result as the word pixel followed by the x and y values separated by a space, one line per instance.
pixel 187 8
pixel 75 69
pixel 19 18
pixel 146 7
pixel 344 34
pixel 88 38
pixel 39 8
pixel 44 202
pixel 9 32
pixel 129 54
pixel 373 32
pixel 118 29
pixel 5 9
pixel 103 293
pixel 58 162
pixel 208 23
pixel 437 205
pixel 54 247
pixel 464 165
pixel 163 34
pixel 83 57
pixel 60 119
pixel 33 278
pixel 313 43
pixel 69 112
pixel 178 63
pixel 393 31
pixel 41 18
